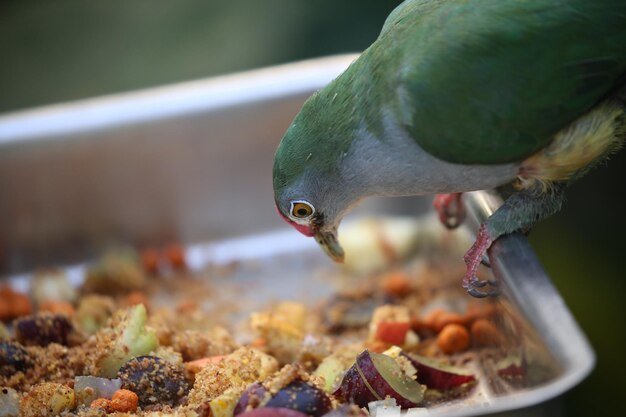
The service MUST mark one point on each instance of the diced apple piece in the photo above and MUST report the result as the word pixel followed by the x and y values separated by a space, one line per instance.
pixel 437 375
pixel 376 376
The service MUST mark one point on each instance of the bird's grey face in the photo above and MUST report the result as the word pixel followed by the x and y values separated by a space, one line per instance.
pixel 305 218
pixel 310 191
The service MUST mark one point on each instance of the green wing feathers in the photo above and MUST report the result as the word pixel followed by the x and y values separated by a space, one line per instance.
pixel 489 82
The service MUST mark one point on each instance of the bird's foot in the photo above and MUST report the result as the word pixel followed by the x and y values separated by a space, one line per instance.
pixel 450 209
pixel 473 258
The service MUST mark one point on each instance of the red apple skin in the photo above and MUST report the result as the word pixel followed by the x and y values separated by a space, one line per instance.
pixel 512 371
pixel 354 389
pixel 437 378
pixel 273 412
pixel 378 383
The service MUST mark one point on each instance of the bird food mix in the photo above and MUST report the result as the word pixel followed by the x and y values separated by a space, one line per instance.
pixel 136 338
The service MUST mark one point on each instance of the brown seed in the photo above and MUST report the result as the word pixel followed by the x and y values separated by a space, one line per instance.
pixel 396 284
pixel 453 338
pixel 485 333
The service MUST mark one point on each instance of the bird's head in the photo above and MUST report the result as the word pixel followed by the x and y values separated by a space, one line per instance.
pixel 306 219
pixel 311 189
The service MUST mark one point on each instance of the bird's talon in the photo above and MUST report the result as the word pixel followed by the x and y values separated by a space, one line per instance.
pixel 477 293
pixel 477 283
pixel 485 262
pixel 474 286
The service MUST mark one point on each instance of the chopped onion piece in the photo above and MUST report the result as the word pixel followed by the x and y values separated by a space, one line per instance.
pixel 384 408
pixel 88 388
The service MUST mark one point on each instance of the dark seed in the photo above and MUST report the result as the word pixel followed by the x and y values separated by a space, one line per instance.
pixel 302 396
pixel 13 358
pixel 252 397
pixel 43 329
pixel 155 381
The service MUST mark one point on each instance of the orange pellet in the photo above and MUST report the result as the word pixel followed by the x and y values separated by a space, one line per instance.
pixel 135 298
pixel 393 333
pixel 419 325
pixel 377 346
pixel 187 306
pixel 478 310
pixel 196 366
pixel 430 318
pixel 175 254
pixel 124 401
pixel 442 320
pixel 13 304
pixel 57 307
pixel 438 318
pixel 485 333
pixel 396 284
pixel 150 261
pixel 102 403
pixel 453 338
pixel 259 342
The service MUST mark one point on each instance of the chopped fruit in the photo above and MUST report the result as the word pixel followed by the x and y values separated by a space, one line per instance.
pixel 392 332
pixel 301 396
pixel 90 388
pixel 129 338
pixel 47 399
pixel 436 375
pixel 375 376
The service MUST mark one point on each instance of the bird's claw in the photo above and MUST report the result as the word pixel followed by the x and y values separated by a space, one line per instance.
pixel 473 258
pixel 475 288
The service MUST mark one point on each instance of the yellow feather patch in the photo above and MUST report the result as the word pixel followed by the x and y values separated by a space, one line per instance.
pixel 592 136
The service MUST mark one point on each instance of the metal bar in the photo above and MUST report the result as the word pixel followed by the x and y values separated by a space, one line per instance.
pixel 526 284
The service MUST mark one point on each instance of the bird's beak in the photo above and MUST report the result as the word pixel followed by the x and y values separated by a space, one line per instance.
pixel 329 243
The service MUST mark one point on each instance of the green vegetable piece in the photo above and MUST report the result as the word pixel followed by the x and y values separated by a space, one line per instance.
pixel 133 339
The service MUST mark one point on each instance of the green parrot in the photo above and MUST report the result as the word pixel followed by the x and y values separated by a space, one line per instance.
pixel 461 95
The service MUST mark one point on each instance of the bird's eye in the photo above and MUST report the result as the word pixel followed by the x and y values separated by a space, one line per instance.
pixel 301 209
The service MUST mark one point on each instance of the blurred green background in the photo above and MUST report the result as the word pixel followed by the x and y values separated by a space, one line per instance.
pixel 53 51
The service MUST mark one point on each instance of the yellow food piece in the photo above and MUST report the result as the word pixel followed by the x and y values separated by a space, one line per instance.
pixel 224 405
pixel 235 372
pixel 47 399
pixel 283 327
